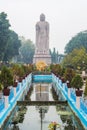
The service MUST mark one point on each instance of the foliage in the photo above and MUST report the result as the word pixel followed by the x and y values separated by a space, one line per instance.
pixel 54 55
pixel 9 42
pixel 53 124
pixel 85 91
pixel 77 82
pixel 6 77
pixel 27 51
pixel 77 59
pixel 69 74
pixel 1 87
pixel 17 71
pixel 12 48
pixel 41 65
pixel 4 33
pixel 78 41
pixel 27 68
pixel 56 69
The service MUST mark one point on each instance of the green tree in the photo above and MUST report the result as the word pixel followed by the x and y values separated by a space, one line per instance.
pixel 13 45
pixel 77 59
pixel 6 77
pixel 69 74
pixel 17 71
pixel 4 33
pixel 56 69
pixel 85 91
pixel 78 41
pixel 27 51
pixel 54 55
pixel 77 82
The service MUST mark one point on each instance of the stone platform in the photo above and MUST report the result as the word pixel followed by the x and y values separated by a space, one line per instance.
pixel 42 57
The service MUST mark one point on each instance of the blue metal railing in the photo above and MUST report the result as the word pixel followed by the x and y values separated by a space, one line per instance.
pixel 83 105
pixel 17 88
pixel 66 88
pixel 73 95
pixel 42 78
pixel 2 105
pixel 11 94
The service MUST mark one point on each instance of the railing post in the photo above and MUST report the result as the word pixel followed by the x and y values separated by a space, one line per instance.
pixel 6 101
pixel 78 97
pixel 78 102
pixel 69 92
pixel 14 89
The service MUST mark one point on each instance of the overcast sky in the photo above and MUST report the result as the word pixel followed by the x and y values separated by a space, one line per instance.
pixel 66 18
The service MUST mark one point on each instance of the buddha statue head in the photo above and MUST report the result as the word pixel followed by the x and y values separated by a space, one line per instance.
pixel 42 17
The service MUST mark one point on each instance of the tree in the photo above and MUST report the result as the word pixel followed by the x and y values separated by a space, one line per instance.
pixel 77 59
pixel 54 55
pixel 4 33
pixel 6 77
pixel 13 45
pixel 78 41
pixel 56 69
pixel 69 74
pixel 77 82
pixel 27 51
pixel 17 71
pixel 85 91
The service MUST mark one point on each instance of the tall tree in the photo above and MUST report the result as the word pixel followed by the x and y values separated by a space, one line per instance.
pixel 27 51
pixel 77 59
pixel 4 33
pixel 13 45
pixel 78 41
pixel 54 55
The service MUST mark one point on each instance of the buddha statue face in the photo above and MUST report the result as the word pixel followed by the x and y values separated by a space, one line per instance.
pixel 42 17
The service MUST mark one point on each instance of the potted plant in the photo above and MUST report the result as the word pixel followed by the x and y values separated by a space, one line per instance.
pixel 15 84
pixel 68 84
pixel 63 79
pixel 77 84
pixel 69 74
pixel 6 79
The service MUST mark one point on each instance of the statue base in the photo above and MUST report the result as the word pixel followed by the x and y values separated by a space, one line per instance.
pixel 42 57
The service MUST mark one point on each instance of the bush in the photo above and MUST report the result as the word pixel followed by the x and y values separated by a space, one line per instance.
pixel 69 74
pixel 85 91
pixel 6 77
pixel 77 82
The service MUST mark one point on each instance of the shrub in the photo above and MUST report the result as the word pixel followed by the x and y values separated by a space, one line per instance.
pixel 77 82
pixel 85 91
pixel 6 77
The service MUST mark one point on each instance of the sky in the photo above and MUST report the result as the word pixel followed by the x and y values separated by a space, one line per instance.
pixel 66 18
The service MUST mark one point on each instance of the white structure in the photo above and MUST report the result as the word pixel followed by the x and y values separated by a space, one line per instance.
pixel 42 41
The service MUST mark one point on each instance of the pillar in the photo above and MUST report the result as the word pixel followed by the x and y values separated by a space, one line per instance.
pixel 14 88
pixel 78 102
pixel 69 92
pixel 6 101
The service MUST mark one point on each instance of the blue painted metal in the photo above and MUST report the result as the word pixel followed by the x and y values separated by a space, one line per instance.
pixel 11 94
pixel 82 112
pixel 17 88
pixel 66 89
pixel 73 95
pixel 42 78
pixel 83 106
pixel 2 105
pixel 13 100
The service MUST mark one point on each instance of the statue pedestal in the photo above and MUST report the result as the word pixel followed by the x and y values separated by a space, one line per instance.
pixel 42 57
